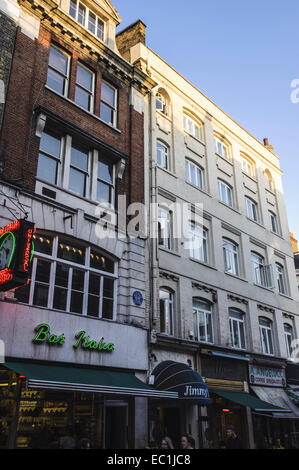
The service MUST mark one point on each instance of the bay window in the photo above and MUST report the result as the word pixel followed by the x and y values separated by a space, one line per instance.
pixel 70 277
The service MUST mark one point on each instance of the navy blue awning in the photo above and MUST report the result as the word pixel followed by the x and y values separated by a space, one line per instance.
pixel 178 377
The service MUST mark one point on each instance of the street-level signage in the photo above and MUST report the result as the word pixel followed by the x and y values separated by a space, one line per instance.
pixel 15 254
pixel 261 375
pixel 82 340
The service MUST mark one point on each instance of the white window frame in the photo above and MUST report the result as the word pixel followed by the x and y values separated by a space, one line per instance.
pixel 198 242
pixel 198 173
pixel 231 257
pixel 86 22
pixel 163 151
pixel 273 222
pixel 237 323
pixel 289 337
pixel 101 180
pixel 161 104
pixel 248 167
pixel 87 174
pixel 251 209
pixel 192 127
pixel 65 77
pixel 281 279
pixel 225 193
pixel 221 149
pixel 91 92
pixel 168 311
pixel 114 107
pixel 208 321
pixel 86 268
pixel 266 334
pixel 59 159
pixel 262 273
pixel 166 228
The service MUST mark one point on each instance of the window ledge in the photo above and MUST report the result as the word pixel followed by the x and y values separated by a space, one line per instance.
pixel 255 222
pixel 83 109
pixel 235 276
pixel 286 296
pixel 163 115
pixel 229 207
pixel 167 171
pixel 171 252
pixel 199 189
pixel 195 138
pixel 202 263
pixel 250 177
pixel 227 160
pixel 264 287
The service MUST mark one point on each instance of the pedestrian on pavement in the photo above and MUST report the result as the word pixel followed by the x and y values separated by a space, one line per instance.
pixel 233 442
pixel 277 444
pixel 187 442
pixel 166 443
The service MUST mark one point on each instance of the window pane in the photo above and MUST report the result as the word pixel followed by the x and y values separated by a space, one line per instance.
pixel 100 262
pixel 76 302
pixel 77 182
pixel 78 280
pixel 60 298
pixel 50 144
pixel 104 193
pixel 83 98
pixel 79 158
pixel 81 14
pixel 58 60
pixel 73 8
pixel 47 168
pixel 108 288
pixel 106 114
pixel 71 252
pixel 107 309
pixel 40 297
pixel 94 284
pixel 108 94
pixel 92 23
pixel 56 82
pixel 105 172
pixel 100 29
pixel 62 275
pixel 84 78
pixel 93 306
pixel 43 271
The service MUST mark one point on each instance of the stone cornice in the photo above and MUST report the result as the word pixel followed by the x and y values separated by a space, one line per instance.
pixel 73 34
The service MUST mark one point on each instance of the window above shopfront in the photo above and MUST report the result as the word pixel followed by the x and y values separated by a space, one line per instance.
pixel 71 277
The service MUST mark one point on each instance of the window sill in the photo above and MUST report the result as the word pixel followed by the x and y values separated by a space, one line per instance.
pixel 83 109
pixel 171 252
pixel 264 287
pixel 167 171
pixel 252 178
pixel 163 115
pixel 229 207
pixel 255 222
pixel 199 189
pixel 286 296
pixel 195 138
pixel 236 277
pixel 227 160
pixel 202 263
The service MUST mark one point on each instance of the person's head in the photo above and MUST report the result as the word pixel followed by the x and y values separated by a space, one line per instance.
pixel 277 441
pixel 166 443
pixel 187 442
pixel 230 432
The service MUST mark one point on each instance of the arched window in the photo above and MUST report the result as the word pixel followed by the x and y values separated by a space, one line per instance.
pixel 70 276
pixel 251 209
pixel 225 193
pixel 237 328
pixel 194 174
pixel 163 102
pixel 266 334
pixel 289 337
pixel 162 155
pixel 203 324
pixel 231 257
pixel 193 126
pixel 166 311
pixel 269 180
pixel 248 166
pixel 222 147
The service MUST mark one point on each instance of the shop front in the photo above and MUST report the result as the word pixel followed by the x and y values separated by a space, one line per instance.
pixel 176 416
pixel 71 381
pixel 269 383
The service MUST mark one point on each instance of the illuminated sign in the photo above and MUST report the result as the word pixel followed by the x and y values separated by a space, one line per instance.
pixel 44 335
pixel 15 254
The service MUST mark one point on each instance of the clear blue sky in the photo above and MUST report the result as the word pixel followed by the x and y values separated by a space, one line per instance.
pixel 243 56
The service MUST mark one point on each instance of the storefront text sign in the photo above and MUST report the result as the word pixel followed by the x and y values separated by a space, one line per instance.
pixel 44 335
pixel 259 375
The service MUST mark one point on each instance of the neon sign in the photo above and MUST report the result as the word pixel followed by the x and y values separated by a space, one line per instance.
pixel 15 254
pixel 44 335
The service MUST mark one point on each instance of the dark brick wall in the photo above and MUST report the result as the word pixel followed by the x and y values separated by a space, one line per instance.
pixel 19 146
pixel 7 40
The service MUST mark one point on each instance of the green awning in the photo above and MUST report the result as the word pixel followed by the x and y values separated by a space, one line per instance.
pixel 56 377
pixel 245 399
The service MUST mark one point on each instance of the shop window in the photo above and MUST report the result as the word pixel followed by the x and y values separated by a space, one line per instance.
pixel 71 278
pixel 203 326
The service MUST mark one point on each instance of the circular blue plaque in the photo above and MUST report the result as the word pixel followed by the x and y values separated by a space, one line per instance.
pixel 137 298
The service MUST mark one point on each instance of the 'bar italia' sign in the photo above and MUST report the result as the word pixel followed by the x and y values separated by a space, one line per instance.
pixel 15 254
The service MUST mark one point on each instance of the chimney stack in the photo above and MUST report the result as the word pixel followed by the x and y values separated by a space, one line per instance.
pixel 294 243
pixel 266 144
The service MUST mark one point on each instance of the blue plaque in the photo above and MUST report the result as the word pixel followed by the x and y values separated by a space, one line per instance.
pixel 137 298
